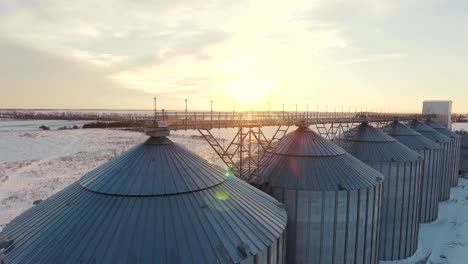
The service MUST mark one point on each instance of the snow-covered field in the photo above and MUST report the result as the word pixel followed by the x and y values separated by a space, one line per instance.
pixel 32 125
pixel 35 164
pixel 447 237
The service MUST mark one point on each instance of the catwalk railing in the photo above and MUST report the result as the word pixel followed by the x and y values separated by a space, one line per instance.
pixel 250 148
pixel 180 120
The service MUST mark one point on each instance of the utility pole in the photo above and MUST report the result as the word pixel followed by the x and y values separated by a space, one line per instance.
pixel 155 115
pixel 185 110
pixel 211 110
pixel 307 115
pixel 283 111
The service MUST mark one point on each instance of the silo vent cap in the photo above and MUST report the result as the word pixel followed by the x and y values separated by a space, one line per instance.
pixel 244 249
pixel 5 243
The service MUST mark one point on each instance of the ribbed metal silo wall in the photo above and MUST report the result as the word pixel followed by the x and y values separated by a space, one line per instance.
pixel 401 196
pixel 451 162
pixel 274 254
pixel 463 160
pixel 446 178
pixel 332 227
pixel 456 158
pixel 430 185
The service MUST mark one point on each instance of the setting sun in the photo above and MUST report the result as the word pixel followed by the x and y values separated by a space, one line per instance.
pixel 249 89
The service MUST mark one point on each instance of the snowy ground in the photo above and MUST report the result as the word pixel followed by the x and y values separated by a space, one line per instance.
pixel 32 125
pixel 36 164
pixel 447 237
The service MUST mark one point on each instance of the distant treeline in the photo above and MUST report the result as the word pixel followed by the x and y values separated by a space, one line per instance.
pixel 460 118
pixel 113 125
pixel 53 115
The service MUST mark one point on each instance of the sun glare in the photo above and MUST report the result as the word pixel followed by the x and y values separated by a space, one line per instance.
pixel 249 89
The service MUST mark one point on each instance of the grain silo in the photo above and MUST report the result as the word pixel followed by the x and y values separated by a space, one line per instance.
pixel 157 203
pixel 401 166
pixel 463 167
pixel 332 200
pixel 455 147
pixel 430 178
pixel 444 142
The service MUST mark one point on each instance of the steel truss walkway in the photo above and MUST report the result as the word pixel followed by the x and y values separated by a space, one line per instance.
pixel 250 149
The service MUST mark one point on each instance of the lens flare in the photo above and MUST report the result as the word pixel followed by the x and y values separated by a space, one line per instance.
pixel 221 195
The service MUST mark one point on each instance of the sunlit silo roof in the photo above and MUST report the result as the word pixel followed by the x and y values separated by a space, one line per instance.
pixel 157 203
pixel 409 137
pixel 332 200
pixel 363 143
pixel 430 182
pixel 316 164
pixel 401 167
pixel 428 132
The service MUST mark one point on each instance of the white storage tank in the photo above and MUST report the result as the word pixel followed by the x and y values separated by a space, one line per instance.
pixel 442 109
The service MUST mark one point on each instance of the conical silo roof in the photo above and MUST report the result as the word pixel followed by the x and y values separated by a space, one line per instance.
pixel 428 132
pixel 157 203
pixel 303 160
pixel 442 129
pixel 147 170
pixel 409 137
pixel 361 142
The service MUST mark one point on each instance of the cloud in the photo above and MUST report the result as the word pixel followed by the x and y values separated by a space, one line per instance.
pixel 102 59
pixel 32 78
pixel 198 47
pixel 373 8
pixel 265 39
pixel 376 58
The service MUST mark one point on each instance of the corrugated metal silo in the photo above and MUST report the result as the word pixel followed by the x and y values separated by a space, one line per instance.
pixel 401 166
pixel 454 150
pixel 430 181
pixel 332 200
pixel 444 142
pixel 463 167
pixel 157 203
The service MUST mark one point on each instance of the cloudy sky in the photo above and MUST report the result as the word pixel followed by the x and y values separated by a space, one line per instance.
pixel 379 54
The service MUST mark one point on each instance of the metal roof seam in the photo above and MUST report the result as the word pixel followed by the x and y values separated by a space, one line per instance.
pixel 22 239
pixel 261 209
